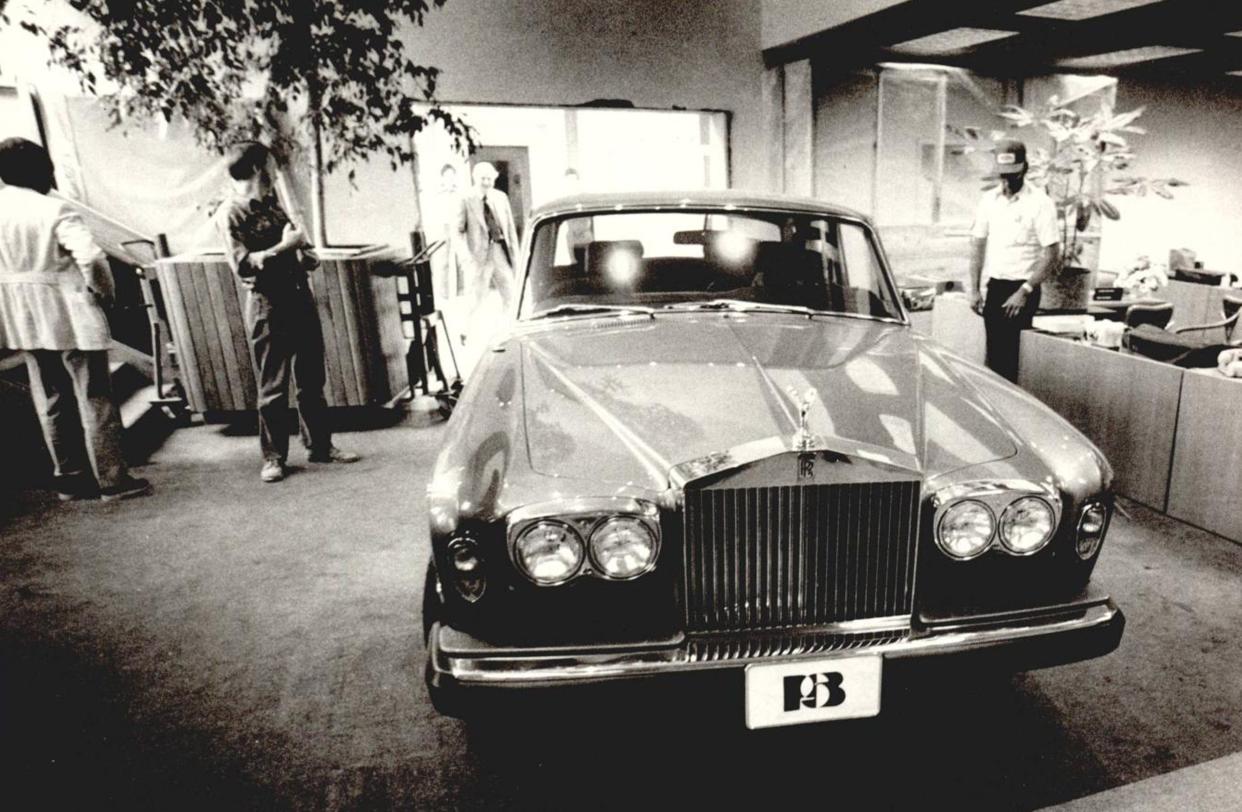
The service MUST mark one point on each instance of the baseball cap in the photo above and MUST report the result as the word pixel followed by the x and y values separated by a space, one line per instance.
pixel 1010 156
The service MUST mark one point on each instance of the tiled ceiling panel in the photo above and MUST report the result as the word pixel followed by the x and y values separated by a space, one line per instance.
pixel 1015 38
pixel 1083 9
pixel 952 41
pixel 1129 56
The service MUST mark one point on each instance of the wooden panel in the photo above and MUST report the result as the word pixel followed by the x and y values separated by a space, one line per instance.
pixel 206 306
pixel 1206 485
pixel 392 341
pixel 194 294
pixel 1125 404
pixel 220 290
pixel 328 295
pixel 235 305
pixel 183 338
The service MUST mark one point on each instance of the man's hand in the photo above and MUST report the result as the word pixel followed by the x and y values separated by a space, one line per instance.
pixel 259 259
pixel 293 236
pixel 976 302
pixel 105 300
pixel 1014 304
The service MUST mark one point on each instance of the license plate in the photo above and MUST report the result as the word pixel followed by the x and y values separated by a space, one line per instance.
pixel 795 693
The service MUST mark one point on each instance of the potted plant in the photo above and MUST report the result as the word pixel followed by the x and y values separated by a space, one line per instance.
pixel 1075 169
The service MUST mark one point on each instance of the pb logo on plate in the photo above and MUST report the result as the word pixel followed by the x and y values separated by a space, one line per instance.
pixel 797 692
pixel 813 691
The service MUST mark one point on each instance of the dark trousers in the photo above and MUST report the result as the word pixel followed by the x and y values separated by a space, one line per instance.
pixel 286 340
pixel 1003 331
pixel 72 392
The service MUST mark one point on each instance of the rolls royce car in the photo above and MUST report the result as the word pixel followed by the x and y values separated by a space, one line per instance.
pixel 712 443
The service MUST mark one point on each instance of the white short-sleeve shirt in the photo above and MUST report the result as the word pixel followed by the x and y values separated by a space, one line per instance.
pixel 1017 229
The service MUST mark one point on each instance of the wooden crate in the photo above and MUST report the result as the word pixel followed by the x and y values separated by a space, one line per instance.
pixel 205 303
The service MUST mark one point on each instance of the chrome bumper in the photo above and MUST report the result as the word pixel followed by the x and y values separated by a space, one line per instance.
pixel 1046 637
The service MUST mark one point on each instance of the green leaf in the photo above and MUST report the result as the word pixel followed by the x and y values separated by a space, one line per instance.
pixel 1108 210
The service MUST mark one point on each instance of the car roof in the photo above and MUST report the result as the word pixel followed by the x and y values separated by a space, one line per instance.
pixel 723 199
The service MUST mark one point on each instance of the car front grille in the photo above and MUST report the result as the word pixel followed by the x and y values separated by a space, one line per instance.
pixel 708 648
pixel 798 555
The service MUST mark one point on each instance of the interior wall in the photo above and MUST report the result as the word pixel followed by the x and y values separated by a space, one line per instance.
pixel 1192 134
pixel 654 53
pixel 845 138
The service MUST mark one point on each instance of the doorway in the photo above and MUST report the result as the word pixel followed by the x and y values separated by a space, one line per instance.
pixel 513 178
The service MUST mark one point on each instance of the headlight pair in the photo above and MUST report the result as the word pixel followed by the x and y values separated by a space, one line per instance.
pixel 619 548
pixel 966 529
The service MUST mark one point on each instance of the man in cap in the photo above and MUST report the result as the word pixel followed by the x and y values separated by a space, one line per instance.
pixel 1013 250
pixel 264 248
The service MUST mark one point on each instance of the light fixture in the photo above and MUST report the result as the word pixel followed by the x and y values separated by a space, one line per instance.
pixel 1129 56
pixel 1083 9
pixel 952 41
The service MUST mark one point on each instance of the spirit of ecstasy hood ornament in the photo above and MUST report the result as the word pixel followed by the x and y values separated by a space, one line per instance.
pixel 803 439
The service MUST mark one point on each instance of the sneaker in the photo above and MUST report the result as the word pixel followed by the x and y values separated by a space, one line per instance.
pixel 126 489
pixel 272 471
pixel 75 487
pixel 334 454
pixel 77 495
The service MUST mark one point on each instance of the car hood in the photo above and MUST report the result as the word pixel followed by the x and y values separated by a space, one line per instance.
pixel 624 400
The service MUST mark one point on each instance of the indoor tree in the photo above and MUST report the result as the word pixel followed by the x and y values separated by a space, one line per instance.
pixel 328 82
pixel 1076 163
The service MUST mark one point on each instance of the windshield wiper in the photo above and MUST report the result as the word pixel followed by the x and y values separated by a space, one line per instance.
pixel 588 309
pixel 740 306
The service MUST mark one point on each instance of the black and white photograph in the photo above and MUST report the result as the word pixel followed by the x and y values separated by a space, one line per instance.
pixel 620 404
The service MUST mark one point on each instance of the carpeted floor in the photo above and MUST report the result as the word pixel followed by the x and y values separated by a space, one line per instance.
pixel 228 644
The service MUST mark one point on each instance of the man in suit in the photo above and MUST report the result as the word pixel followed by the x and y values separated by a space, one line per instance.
pixel 491 237
pixel 54 285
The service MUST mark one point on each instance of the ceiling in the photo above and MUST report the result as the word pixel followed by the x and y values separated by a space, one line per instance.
pixel 1015 38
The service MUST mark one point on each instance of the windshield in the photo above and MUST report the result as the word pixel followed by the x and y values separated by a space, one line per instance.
pixel 630 261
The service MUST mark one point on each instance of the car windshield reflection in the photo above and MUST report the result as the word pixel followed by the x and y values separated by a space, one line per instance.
pixel 760 261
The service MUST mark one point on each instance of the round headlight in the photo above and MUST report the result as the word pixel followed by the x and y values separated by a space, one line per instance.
pixel 1091 530
pixel 623 548
pixel 1027 525
pixel 549 552
pixel 965 530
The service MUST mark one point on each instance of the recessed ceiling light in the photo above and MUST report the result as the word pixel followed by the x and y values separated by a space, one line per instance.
pixel 1235 72
pixel 1083 9
pixel 1130 56
pixel 955 39
pixel 1234 34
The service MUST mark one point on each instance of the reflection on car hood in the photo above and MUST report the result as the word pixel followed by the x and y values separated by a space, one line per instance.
pixel 624 401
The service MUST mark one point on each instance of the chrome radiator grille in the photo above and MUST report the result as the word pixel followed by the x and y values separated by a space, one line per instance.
pixel 789 556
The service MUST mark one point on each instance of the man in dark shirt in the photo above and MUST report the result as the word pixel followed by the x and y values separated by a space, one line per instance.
pixel 265 249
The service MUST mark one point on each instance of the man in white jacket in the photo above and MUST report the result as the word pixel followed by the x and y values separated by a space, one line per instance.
pixel 54 283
